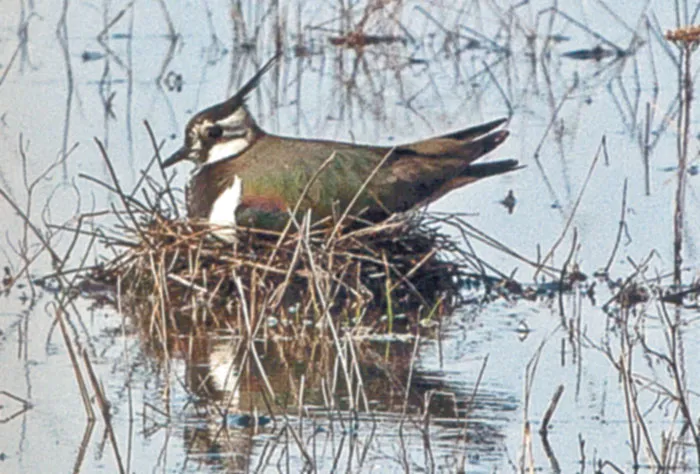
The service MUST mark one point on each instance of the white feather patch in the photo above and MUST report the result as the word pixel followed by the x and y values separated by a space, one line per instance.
pixel 236 119
pixel 223 212
pixel 226 149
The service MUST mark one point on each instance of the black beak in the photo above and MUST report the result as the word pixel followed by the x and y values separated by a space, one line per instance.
pixel 179 155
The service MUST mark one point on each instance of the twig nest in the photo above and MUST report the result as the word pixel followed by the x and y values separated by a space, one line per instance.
pixel 178 272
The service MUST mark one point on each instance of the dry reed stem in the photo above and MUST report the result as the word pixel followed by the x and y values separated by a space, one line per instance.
pixel 76 368
pixel 104 410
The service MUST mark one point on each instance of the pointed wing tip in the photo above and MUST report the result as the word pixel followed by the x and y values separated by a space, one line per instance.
pixel 483 170
pixel 499 121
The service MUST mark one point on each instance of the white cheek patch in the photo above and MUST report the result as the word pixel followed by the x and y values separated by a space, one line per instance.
pixel 234 120
pixel 226 149
pixel 223 212
pixel 195 133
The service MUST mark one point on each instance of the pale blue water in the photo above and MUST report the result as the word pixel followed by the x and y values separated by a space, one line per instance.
pixel 52 99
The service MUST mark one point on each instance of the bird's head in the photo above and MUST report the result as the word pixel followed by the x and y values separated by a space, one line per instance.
pixel 222 131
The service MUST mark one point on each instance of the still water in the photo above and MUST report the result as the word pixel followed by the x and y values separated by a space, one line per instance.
pixel 473 397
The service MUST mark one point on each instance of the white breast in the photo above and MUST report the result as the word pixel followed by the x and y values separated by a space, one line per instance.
pixel 223 212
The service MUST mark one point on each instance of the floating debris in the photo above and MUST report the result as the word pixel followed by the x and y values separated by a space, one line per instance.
pixel 360 40
pixel 8 279
pixel 523 330
pixel 246 421
pixel 692 170
pixel 173 81
pixel 631 295
pixel 678 297
pixel 686 34
pixel 559 38
pixel 598 53
pixel 91 56
pixel 509 201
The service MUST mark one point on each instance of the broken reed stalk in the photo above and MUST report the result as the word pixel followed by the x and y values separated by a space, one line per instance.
pixel 620 229
pixel 544 426
pixel 685 92
pixel 687 39
pixel 570 219
pixel 647 149
pixel 104 405
pixel 76 368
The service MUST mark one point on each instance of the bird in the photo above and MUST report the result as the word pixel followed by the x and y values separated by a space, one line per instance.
pixel 244 176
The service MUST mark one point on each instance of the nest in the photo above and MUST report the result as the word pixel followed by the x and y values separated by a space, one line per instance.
pixel 367 275
pixel 171 272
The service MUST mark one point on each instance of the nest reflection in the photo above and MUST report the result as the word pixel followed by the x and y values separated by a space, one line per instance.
pixel 315 403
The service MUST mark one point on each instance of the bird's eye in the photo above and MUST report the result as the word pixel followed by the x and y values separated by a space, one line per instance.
pixel 215 131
